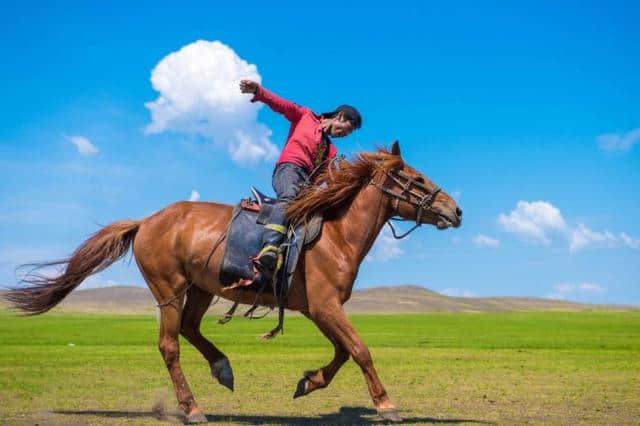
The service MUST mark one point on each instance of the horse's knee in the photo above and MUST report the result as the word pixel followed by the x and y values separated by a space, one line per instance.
pixel 170 351
pixel 362 356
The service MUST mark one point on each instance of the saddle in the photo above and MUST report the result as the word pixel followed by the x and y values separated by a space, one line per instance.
pixel 244 239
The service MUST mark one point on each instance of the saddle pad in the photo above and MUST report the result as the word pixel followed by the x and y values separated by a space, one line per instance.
pixel 243 242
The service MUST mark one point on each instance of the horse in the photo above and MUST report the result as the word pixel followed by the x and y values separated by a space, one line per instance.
pixel 173 250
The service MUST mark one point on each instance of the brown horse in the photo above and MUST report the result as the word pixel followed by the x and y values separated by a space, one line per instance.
pixel 173 249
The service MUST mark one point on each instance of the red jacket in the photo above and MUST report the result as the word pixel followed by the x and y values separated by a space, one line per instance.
pixel 304 141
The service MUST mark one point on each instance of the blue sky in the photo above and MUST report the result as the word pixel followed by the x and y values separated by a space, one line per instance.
pixel 529 115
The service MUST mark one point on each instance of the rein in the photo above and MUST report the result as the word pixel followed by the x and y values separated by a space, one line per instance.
pixel 423 203
pixel 328 163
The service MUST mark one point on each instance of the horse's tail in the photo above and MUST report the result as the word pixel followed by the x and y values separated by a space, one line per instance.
pixel 98 252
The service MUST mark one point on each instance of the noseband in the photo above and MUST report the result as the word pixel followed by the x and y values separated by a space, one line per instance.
pixel 407 183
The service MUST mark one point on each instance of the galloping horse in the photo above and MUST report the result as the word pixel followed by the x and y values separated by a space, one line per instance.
pixel 173 250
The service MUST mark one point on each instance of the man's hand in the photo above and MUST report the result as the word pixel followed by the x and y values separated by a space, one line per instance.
pixel 248 86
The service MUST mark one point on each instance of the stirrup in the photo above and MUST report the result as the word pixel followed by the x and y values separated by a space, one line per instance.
pixel 269 253
pixel 267 272
pixel 261 272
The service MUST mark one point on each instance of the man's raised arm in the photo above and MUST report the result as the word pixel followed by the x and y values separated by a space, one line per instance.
pixel 290 110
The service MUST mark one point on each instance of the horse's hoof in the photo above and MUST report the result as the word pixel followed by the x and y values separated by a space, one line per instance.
pixel 221 371
pixel 301 389
pixel 390 415
pixel 197 417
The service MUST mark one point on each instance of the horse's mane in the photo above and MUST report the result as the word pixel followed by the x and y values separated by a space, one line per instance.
pixel 342 183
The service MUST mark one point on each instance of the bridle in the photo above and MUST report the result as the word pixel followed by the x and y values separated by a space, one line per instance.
pixel 407 183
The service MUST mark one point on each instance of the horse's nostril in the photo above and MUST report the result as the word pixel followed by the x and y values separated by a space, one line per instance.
pixel 459 211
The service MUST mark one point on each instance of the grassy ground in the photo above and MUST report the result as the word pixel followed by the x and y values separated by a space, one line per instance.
pixel 554 368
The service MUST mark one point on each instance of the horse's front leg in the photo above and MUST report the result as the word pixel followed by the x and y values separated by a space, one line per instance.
pixel 332 319
pixel 318 379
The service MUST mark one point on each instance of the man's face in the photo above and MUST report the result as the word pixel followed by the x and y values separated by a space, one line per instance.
pixel 340 127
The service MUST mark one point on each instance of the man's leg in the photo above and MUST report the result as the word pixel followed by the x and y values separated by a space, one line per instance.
pixel 273 235
pixel 287 181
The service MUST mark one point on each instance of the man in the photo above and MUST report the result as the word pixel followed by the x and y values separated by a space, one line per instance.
pixel 307 149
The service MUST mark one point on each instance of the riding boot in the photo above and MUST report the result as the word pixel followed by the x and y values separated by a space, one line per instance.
pixel 266 261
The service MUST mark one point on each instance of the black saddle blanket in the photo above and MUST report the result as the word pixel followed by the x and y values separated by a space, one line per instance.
pixel 244 240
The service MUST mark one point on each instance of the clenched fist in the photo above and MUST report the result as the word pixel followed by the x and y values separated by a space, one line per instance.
pixel 248 86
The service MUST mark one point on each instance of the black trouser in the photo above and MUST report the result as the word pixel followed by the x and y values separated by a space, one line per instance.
pixel 288 179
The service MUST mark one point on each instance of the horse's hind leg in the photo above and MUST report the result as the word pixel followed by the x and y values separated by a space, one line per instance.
pixel 198 302
pixel 170 350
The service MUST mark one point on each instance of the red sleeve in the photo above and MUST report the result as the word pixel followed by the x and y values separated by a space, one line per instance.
pixel 291 111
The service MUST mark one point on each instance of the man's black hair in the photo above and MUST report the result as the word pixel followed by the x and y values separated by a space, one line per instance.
pixel 350 114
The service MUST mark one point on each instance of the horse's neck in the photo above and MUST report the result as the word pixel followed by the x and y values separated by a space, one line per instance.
pixel 363 220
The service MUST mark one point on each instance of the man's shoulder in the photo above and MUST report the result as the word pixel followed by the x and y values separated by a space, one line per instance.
pixel 310 115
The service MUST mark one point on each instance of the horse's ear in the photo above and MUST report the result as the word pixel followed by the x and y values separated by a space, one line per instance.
pixel 395 148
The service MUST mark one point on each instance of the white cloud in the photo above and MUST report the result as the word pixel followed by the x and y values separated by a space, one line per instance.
pixel 534 221
pixel 457 292
pixel 566 290
pixel 619 141
pixel 481 240
pixel 385 248
pixel 456 240
pixel 195 195
pixel 199 95
pixel 591 288
pixel 537 221
pixel 83 145
pixel 582 237
pixel 626 240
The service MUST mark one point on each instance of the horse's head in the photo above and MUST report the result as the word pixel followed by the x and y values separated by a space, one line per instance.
pixel 415 197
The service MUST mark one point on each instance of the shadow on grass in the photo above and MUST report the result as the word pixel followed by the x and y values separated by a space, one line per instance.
pixel 117 414
pixel 346 416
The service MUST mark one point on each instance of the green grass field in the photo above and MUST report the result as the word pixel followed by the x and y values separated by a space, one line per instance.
pixel 509 368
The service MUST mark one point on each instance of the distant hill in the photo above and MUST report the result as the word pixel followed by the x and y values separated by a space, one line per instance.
pixel 396 299
pixel 409 298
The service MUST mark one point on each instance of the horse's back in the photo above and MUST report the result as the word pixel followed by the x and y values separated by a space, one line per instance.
pixel 175 243
pixel 181 233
